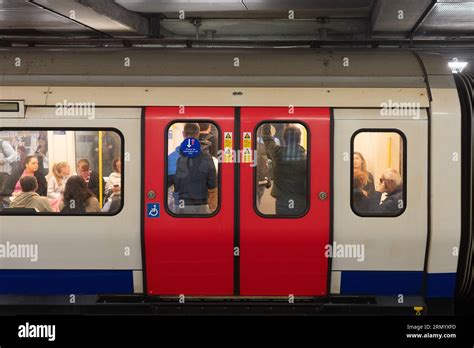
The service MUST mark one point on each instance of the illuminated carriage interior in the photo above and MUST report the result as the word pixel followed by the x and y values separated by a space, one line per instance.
pixel 56 155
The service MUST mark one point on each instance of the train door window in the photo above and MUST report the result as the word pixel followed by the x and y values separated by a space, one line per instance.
pixel 192 169
pixel 281 174
pixel 61 171
pixel 378 173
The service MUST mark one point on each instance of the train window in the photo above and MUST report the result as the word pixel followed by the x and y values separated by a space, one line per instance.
pixel 378 173
pixel 192 169
pixel 61 171
pixel 281 180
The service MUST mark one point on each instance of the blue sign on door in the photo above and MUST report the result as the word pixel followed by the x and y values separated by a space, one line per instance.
pixel 190 147
pixel 153 210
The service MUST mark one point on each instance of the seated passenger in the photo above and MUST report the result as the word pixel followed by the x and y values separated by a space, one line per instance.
pixel 113 187
pixel 78 199
pixel 89 176
pixel 28 198
pixel 29 168
pixel 360 196
pixel 391 184
pixel 57 182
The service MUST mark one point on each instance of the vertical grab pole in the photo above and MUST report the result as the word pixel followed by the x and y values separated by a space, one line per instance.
pixel 100 168
pixel 389 154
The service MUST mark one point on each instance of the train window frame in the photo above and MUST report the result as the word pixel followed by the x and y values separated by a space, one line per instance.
pixel 219 171
pixel 16 103
pixel 404 176
pixel 308 169
pixel 97 129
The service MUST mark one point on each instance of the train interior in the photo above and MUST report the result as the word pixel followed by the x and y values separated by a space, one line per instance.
pixel 60 154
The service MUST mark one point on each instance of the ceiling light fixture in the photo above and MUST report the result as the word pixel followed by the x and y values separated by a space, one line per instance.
pixel 456 66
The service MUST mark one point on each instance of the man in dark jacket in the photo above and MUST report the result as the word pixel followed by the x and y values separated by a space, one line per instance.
pixel 207 139
pixel 90 177
pixel 195 180
pixel 290 170
pixel 391 184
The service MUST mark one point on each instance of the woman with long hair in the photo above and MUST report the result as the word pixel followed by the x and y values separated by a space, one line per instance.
pixel 78 199
pixel 360 165
pixel 30 166
pixel 57 182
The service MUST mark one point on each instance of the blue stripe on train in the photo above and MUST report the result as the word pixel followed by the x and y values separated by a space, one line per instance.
pixel 397 282
pixel 441 284
pixel 46 282
pixel 381 282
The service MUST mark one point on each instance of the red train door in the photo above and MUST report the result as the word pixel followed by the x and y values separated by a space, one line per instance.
pixel 284 228
pixel 188 249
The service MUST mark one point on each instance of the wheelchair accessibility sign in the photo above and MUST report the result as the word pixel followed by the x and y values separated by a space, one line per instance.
pixel 153 210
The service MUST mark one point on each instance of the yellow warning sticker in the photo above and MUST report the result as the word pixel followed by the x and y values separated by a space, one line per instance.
pixel 247 156
pixel 228 140
pixel 247 147
pixel 247 140
pixel 227 147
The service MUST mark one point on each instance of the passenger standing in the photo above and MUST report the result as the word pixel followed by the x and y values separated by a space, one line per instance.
pixel 361 165
pixel 42 154
pixel 263 170
pixel 8 162
pixel 207 139
pixel 110 150
pixel 289 165
pixel 172 164
pixel 195 180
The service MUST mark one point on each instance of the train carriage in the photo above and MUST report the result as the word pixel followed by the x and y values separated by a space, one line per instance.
pixel 402 114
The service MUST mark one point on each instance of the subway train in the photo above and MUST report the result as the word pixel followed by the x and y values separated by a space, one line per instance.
pixel 336 180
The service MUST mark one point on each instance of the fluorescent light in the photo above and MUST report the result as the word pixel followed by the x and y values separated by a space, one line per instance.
pixel 456 66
